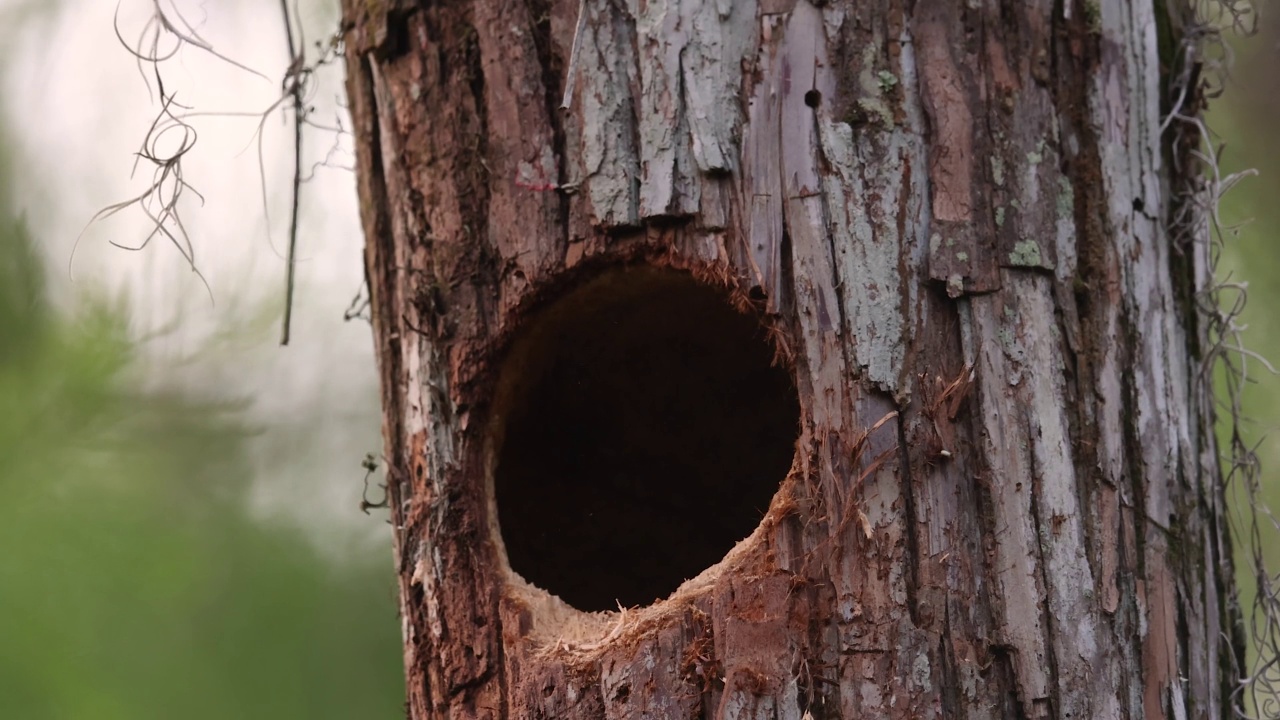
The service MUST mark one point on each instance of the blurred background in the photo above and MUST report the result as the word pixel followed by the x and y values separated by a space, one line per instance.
pixel 180 522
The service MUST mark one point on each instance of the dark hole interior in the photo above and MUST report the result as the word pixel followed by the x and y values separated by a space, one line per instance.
pixel 645 434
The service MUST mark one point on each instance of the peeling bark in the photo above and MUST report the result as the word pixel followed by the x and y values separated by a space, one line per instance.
pixel 1004 500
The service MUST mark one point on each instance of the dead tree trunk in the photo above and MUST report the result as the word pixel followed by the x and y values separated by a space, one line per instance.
pixel 889 289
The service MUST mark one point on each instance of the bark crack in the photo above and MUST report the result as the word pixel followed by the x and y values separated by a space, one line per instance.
pixel 911 578
pixel 1042 536
pixel 552 66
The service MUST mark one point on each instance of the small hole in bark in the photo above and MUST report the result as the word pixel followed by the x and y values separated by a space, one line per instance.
pixel 813 98
pixel 640 432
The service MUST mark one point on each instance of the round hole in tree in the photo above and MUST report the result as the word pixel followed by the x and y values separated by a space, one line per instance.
pixel 641 431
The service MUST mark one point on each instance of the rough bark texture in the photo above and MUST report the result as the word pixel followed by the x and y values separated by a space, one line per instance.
pixel 1005 500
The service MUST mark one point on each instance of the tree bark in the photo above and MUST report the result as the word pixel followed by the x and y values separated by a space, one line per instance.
pixel 960 225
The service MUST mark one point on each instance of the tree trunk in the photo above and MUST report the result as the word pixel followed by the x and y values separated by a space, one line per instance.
pixel 979 478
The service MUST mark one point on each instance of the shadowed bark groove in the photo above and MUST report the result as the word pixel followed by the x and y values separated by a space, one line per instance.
pixel 948 218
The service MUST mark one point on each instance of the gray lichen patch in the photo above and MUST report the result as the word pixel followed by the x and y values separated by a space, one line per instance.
pixel 1066 198
pixel 997 170
pixel 1035 157
pixel 1025 253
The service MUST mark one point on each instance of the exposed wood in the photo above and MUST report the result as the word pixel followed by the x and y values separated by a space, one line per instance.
pixel 1005 499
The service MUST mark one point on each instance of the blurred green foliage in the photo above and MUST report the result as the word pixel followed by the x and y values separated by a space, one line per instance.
pixel 133 582
pixel 1244 120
